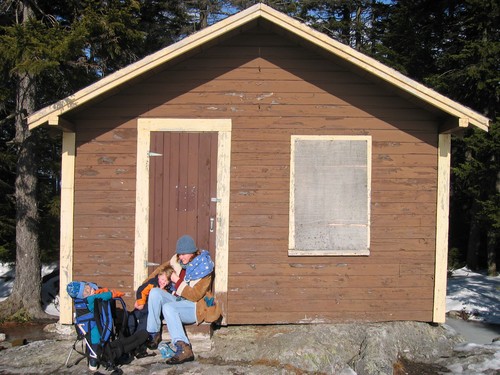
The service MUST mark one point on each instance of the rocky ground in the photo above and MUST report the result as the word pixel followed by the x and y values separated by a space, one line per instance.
pixel 385 348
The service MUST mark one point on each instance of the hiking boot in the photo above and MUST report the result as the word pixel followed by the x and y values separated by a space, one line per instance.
pixel 141 351
pixel 182 354
pixel 153 340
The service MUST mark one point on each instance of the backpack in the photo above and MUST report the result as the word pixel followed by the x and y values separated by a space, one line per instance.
pixel 116 346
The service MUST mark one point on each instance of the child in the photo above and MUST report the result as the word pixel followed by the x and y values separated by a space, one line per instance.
pixel 161 280
pixel 138 317
pixel 89 292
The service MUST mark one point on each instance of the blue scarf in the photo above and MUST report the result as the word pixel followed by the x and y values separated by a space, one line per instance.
pixel 199 267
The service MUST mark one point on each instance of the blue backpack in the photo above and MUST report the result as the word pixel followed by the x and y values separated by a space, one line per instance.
pixel 102 318
pixel 115 341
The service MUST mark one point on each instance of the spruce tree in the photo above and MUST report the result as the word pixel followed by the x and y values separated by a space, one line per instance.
pixel 453 47
pixel 48 50
pixel 46 56
pixel 24 300
pixel 468 72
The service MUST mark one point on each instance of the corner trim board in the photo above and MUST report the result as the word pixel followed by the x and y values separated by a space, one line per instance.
pixel 67 225
pixel 442 226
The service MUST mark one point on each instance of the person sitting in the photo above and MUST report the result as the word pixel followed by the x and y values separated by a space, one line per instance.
pixel 192 302
pixel 138 317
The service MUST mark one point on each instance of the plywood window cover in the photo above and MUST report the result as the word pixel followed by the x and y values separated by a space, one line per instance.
pixel 362 250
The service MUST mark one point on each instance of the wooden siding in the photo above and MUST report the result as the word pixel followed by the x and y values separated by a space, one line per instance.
pixel 272 89
pixel 105 204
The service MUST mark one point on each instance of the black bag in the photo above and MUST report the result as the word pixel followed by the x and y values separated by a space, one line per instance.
pixel 124 349
pixel 138 320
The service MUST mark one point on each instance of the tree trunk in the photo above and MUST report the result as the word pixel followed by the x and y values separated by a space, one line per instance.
pixel 25 299
pixel 358 29
pixel 346 25
pixel 493 237
pixel 204 12
pixel 491 249
pixel 373 34
pixel 474 238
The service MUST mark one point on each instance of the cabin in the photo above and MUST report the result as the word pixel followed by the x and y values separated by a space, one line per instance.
pixel 317 177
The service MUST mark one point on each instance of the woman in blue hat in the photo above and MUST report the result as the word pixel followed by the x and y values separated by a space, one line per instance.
pixel 191 303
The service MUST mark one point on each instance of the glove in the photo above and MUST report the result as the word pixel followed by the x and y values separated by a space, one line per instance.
pixel 209 301
pixel 116 293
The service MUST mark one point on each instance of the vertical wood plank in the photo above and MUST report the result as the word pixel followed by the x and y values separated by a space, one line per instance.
pixel 222 218
pixel 203 197
pixel 164 204
pixel 141 235
pixel 67 220
pixel 213 192
pixel 192 186
pixel 175 186
pixel 155 186
pixel 442 219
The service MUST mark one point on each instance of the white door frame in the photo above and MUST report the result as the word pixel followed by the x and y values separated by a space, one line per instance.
pixel 144 127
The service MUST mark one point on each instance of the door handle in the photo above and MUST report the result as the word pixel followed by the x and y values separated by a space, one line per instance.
pixel 212 224
pixel 151 264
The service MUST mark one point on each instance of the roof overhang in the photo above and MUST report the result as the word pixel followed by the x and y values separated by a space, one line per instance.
pixel 459 116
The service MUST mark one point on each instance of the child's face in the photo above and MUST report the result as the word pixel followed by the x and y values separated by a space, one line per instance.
pixel 88 291
pixel 162 281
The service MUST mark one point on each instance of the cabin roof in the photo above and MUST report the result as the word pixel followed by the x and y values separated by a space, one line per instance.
pixel 459 116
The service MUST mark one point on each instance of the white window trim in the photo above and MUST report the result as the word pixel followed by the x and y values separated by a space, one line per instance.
pixel 291 239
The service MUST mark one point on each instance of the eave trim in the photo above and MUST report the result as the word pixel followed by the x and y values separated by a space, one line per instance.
pixel 347 53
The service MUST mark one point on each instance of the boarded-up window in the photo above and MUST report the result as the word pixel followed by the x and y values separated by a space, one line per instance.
pixel 330 195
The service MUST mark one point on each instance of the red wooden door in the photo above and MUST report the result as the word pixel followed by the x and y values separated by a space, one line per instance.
pixel 183 178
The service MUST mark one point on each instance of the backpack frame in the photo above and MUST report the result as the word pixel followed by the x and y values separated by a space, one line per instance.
pixel 104 318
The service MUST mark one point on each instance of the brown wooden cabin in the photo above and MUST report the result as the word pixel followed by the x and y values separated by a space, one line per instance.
pixel 317 177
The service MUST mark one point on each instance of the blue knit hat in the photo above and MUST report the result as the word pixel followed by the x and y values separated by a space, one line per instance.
pixel 75 289
pixel 185 245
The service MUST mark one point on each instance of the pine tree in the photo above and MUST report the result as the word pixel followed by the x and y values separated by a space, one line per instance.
pixel 352 22
pixel 453 47
pixel 26 290
pixel 468 72
pixel 45 56
pixel 58 47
